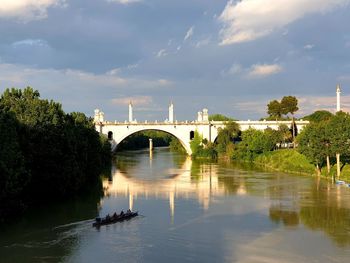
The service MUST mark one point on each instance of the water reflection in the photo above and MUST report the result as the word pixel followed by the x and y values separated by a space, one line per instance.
pixel 192 211
pixel 291 201
pixel 200 181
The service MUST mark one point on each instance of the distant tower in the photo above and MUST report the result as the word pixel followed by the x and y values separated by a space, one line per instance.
pixel 338 97
pixel 205 115
pixel 200 116
pixel 130 112
pixel 101 116
pixel 97 116
pixel 171 112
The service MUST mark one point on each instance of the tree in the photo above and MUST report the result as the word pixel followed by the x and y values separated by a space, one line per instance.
pixel 339 126
pixel 318 116
pixel 13 175
pixel 274 109
pixel 255 142
pixel 227 136
pixel 289 104
pixel 310 145
pixel 61 153
pixel 196 143
pixel 219 117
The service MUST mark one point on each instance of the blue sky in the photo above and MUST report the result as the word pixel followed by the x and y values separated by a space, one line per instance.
pixel 231 57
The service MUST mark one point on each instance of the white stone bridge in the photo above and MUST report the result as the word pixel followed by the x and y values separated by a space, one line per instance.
pixel 183 131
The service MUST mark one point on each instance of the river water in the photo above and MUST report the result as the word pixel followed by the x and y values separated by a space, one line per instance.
pixel 190 212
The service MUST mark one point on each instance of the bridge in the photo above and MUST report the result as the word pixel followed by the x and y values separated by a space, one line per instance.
pixel 182 130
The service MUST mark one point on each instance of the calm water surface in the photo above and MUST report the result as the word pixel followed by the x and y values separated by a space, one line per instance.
pixel 191 212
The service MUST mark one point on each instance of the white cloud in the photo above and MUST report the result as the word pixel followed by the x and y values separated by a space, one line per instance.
pixel 248 20
pixel 124 2
pixel 136 100
pixel 203 42
pixel 309 46
pixel 75 81
pixel 161 53
pixel 30 42
pixel 309 104
pixel 27 10
pixel 189 33
pixel 262 70
pixel 233 70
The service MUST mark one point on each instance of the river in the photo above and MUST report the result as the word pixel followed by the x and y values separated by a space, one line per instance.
pixel 190 212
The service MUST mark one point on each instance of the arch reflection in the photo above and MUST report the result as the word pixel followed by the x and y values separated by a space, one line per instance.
pixel 192 180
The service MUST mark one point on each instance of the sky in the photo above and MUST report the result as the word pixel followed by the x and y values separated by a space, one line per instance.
pixel 231 57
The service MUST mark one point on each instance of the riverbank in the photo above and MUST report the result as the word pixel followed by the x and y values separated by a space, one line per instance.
pixel 291 161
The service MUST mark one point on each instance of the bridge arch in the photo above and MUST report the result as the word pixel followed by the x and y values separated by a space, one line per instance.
pixel 120 138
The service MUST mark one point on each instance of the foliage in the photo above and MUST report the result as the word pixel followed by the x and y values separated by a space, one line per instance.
pixel 13 175
pixel 339 132
pixel 199 150
pixel 285 133
pixel 50 153
pixel 286 160
pixel 227 136
pixel 140 140
pixel 220 117
pixel 326 138
pixel 176 146
pixel 196 143
pixel 311 144
pixel 274 109
pixel 288 104
pixel 318 116
pixel 255 142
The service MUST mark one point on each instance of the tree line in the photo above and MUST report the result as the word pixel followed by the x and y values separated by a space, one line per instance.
pixel 45 153
pixel 325 142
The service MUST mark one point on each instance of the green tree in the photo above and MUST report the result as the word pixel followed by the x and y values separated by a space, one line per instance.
pixel 254 142
pixel 312 142
pixel 196 143
pixel 227 136
pixel 289 104
pixel 339 132
pixel 13 174
pixel 62 153
pixel 219 117
pixel 274 109
pixel 318 116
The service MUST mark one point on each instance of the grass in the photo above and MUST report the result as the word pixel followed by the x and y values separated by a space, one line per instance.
pixel 287 160
pixel 290 161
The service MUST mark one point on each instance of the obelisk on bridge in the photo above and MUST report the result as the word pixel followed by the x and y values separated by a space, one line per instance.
pixel 130 112
pixel 338 97
pixel 171 112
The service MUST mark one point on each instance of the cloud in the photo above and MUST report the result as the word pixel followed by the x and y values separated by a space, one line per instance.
pixel 248 20
pixel 262 70
pixel 124 2
pixel 136 100
pixel 189 33
pixel 235 69
pixel 309 46
pixel 27 10
pixel 78 90
pixel 309 104
pixel 161 53
pixel 203 42
pixel 30 42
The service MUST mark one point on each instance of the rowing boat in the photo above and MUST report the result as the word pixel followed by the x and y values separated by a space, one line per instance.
pixel 113 219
